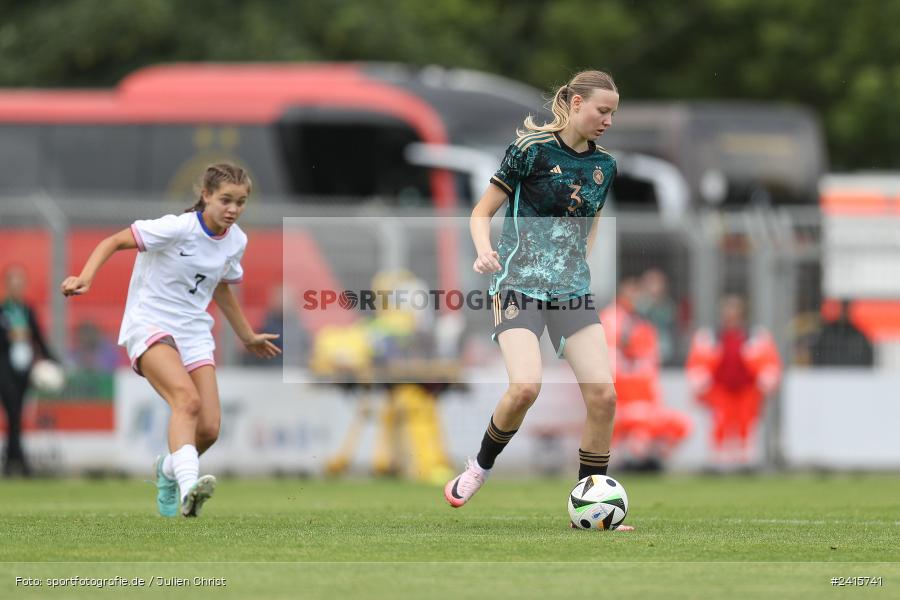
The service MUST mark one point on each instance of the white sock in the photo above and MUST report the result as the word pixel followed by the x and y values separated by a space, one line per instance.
pixel 186 464
pixel 481 470
pixel 168 468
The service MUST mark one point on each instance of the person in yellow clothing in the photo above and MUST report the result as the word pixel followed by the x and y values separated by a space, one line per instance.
pixel 391 350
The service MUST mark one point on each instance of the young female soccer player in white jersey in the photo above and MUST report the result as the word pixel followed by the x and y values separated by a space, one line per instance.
pixel 555 179
pixel 183 263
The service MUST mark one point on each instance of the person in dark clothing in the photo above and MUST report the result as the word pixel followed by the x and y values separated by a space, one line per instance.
pixel 21 344
pixel 841 343
pixel 274 322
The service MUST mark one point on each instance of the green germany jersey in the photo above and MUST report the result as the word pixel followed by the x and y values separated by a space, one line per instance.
pixel 554 195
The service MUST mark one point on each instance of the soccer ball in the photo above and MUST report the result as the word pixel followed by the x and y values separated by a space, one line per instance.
pixel 47 377
pixel 597 502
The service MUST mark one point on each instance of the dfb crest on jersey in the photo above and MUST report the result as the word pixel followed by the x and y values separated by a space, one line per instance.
pixel 511 312
pixel 598 176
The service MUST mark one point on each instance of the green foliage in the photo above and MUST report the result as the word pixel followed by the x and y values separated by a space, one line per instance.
pixel 841 60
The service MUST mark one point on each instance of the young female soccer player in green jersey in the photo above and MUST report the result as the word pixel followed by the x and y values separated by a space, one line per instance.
pixel 554 179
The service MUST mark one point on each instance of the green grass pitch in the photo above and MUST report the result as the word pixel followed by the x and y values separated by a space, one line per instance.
pixel 696 537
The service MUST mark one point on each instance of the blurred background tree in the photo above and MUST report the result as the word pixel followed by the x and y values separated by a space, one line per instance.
pixel 842 60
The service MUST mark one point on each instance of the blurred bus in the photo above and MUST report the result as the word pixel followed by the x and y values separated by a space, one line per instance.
pixel 308 133
pixel 349 133
pixel 336 131
pixel 343 132
pixel 731 154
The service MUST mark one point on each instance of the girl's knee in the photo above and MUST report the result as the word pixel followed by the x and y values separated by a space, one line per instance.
pixel 523 395
pixel 600 398
pixel 207 434
pixel 186 401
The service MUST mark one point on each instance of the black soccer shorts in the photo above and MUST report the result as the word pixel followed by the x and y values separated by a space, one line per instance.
pixel 561 318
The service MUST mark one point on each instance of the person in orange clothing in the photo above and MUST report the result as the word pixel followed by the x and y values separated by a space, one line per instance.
pixel 731 372
pixel 645 428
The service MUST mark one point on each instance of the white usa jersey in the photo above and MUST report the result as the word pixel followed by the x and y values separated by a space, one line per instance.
pixel 179 264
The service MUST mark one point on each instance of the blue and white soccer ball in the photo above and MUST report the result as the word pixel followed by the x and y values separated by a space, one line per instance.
pixel 598 502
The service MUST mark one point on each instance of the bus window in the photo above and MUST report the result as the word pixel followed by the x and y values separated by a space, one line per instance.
pixel 351 156
pixel 20 157
pixel 178 154
pixel 93 158
pixel 634 194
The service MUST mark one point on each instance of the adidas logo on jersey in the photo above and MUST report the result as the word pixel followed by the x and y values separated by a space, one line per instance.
pixel 556 170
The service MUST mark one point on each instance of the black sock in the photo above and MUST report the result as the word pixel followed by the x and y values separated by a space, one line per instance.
pixel 493 444
pixel 591 463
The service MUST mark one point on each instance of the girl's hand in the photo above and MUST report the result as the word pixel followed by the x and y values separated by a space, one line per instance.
pixel 260 346
pixel 487 262
pixel 74 286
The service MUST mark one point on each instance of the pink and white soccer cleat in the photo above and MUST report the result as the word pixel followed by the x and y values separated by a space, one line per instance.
pixel 458 491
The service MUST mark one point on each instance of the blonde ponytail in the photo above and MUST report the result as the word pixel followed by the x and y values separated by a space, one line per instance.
pixel 560 108
pixel 582 84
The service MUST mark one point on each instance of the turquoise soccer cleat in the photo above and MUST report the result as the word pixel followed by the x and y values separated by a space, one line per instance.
pixel 166 491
